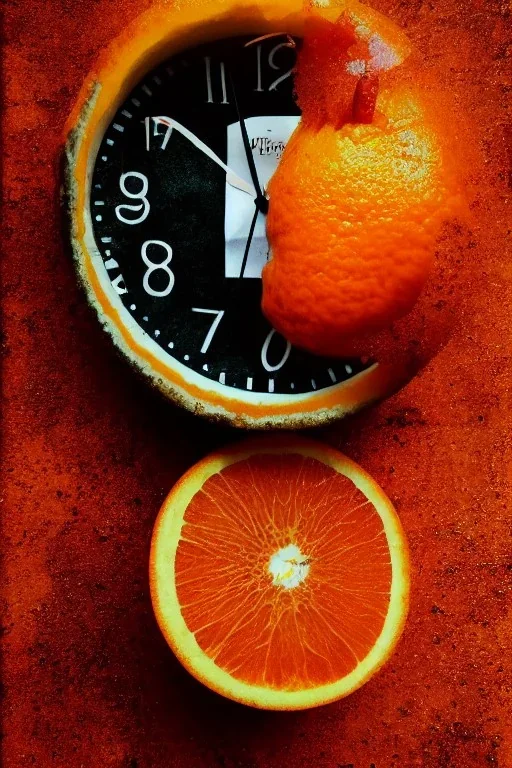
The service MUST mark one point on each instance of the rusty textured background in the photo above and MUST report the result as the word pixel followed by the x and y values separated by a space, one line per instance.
pixel 89 453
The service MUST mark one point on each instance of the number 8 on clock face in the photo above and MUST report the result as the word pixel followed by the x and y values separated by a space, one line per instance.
pixel 180 245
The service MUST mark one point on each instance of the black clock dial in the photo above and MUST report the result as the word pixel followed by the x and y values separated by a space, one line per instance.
pixel 172 207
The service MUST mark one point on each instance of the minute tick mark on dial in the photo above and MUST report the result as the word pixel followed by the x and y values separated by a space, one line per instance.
pixel 119 285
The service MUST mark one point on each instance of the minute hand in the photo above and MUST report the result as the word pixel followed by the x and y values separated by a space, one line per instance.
pixel 231 177
pixel 261 200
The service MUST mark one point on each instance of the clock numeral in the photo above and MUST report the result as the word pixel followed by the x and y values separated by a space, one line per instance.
pixel 157 121
pixel 156 267
pixel 211 333
pixel 271 61
pixel 278 80
pixel 141 195
pixel 258 88
pixel 209 86
pixel 264 353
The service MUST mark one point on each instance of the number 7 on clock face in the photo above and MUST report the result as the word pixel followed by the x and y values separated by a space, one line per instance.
pixel 268 135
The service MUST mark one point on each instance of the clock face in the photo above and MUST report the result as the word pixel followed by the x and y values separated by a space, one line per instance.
pixel 174 216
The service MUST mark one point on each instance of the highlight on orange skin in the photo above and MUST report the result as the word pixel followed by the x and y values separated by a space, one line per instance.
pixel 324 87
pixel 359 197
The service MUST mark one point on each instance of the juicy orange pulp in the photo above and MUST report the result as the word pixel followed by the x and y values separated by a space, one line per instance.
pixel 252 624
pixel 290 575
pixel 355 208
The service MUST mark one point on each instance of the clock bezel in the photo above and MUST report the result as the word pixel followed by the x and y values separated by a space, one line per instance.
pixel 152 38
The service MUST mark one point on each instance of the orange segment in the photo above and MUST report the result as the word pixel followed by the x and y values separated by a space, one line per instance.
pixel 279 573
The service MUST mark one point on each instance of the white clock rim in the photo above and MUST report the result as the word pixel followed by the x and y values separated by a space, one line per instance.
pixel 308 412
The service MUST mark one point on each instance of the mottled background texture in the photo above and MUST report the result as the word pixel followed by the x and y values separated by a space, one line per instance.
pixel 89 453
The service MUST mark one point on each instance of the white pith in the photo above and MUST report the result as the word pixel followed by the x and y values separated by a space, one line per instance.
pixel 288 567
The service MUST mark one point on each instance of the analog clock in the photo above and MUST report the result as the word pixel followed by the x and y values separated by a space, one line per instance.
pixel 169 154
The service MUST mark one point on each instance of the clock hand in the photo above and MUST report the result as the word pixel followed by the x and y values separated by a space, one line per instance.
pixel 249 240
pixel 261 199
pixel 231 177
pixel 290 42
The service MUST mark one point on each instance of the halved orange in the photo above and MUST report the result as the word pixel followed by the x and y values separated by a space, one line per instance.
pixel 279 573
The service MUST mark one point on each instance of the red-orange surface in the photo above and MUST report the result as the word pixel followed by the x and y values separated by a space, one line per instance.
pixel 89 454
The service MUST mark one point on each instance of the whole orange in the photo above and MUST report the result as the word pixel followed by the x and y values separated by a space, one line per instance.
pixel 355 207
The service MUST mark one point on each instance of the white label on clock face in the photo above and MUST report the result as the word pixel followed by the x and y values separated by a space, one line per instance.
pixel 268 136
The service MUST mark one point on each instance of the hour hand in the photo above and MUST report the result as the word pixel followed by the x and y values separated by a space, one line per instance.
pixel 261 198
pixel 231 177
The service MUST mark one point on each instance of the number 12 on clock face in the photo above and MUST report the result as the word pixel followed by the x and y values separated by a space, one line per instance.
pixel 261 86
